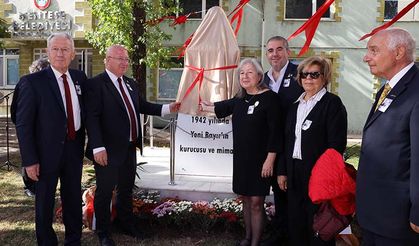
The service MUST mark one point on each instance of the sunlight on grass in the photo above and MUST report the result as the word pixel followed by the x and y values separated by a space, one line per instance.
pixel 352 154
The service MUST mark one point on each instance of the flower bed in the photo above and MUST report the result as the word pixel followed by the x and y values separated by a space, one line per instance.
pixel 199 215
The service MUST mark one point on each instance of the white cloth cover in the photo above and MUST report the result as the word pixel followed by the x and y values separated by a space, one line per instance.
pixel 213 45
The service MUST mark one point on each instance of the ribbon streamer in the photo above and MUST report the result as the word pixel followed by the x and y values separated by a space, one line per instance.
pixel 200 77
pixel 395 18
pixel 182 49
pixel 238 15
pixel 310 26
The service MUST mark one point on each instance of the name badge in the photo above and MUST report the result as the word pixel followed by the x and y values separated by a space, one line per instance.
pixel 251 109
pixel 306 125
pixel 385 104
pixel 287 82
pixel 78 89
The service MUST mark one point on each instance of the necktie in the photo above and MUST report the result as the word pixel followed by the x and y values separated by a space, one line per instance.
pixel 71 131
pixel 385 92
pixel 130 112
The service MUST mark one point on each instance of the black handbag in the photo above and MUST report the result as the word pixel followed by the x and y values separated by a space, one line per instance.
pixel 327 223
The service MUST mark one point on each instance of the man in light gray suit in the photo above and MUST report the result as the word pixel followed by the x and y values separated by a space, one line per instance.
pixel 388 175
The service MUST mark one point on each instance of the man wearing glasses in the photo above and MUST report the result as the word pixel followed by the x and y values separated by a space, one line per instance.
pixel 51 139
pixel 113 108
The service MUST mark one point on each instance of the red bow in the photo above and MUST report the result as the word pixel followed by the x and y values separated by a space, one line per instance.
pixel 310 26
pixel 181 19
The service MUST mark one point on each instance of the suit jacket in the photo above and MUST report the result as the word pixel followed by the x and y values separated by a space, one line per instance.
pixel 41 120
pixel 388 174
pixel 107 120
pixel 287 95
pixel 328 129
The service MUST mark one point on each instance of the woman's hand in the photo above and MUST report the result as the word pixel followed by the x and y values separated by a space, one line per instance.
pixel 268 165
pixel 206 106
pixel 267 169
pixel 282 182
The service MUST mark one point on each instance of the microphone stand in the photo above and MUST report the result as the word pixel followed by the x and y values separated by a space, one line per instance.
pixel 7 163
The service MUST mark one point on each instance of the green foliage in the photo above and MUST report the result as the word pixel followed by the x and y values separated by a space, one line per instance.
pixel 3 31
pixel 115 25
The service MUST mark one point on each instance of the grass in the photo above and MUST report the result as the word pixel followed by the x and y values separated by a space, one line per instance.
pixel 17 216
pixel 17 221
pixel 352 154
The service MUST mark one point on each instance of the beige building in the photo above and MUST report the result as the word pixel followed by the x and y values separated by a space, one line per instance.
pixel 31 21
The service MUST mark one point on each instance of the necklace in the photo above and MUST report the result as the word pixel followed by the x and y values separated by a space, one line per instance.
pixel 250 99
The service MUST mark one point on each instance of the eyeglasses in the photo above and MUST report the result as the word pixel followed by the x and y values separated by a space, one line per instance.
pixel 313 75
pixel 120 59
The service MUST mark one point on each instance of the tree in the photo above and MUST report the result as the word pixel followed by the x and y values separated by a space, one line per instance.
pixel 3 31
pixel 125 22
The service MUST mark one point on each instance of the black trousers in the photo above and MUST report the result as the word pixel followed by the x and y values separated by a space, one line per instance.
pixel 69 173
pixel 371 239
pixel 280 220
pixel 301 210
pixel 120 177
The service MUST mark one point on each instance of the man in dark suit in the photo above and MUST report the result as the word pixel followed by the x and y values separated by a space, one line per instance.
pixel 113 106
pixel 36 66
pixel 281 79
pixel 388 175
pixel 51 139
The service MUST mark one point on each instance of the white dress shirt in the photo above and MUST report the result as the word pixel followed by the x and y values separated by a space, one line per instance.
pixel 304 108
pixel 393 81
pixel 276 84
pixel 114 79
pixel 74 98
pixel 165 109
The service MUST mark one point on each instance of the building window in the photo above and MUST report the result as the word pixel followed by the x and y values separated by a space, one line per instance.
pixel 393 7
pixel 169 81
pixel 82 61
pixel 304 9
pixel 9 67
pixel 199 7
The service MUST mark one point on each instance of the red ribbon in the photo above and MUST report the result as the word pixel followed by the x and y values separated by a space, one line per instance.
pixel 238 10
pixel 182 49
pixel 239 6
pixel 200 77
pixel 396 18
pixel 181 19
pixel 310 26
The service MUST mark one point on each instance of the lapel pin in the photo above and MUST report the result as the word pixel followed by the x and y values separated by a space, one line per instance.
pixel 128 86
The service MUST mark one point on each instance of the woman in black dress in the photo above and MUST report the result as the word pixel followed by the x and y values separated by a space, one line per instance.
pixel 256 117
pixel 315 122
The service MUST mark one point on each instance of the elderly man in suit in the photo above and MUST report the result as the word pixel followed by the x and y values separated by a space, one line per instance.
pixel 281 79
pixel 113 107
pixel 388 175
pixel 51 139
